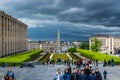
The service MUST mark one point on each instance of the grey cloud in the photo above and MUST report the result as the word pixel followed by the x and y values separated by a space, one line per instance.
pixel 68 13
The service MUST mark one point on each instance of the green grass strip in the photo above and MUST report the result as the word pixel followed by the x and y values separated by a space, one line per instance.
pixel 21 57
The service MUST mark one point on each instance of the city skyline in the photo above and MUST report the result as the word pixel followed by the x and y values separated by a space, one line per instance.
pixel 77 20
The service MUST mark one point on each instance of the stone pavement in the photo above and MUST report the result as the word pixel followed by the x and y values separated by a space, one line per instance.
pixel 41 72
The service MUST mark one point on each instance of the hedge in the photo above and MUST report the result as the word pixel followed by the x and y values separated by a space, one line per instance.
pixel 98 56
pixel 21 57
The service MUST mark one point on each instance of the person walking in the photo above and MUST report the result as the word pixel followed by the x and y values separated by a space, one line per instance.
pixel 105 63
pixel 96 62
pixel 66 75
pixel 58 75
pixel 74 75
pixel 112 62
pixel 105 74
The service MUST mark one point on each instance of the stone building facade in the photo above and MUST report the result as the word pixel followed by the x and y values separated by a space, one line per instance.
pixel 32 45
pixel 13 35
pixel 110 44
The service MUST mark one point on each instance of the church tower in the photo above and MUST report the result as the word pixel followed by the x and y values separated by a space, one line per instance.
pixel 58 42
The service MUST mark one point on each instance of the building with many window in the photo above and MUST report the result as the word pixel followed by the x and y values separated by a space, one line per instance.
pixel 13 35
pixel 110 44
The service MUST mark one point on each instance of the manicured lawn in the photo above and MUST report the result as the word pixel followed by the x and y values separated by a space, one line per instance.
pixel 97 55
pixel 60 56
pixel 21 57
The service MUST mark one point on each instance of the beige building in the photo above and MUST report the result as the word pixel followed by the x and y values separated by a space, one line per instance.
pixel 34 45
pixel 13 35
pixel 51 47
pixel 110 44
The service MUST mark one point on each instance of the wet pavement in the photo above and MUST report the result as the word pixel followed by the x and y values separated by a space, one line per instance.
pixel 44 72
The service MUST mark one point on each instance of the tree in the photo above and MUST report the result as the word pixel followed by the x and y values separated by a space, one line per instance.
pixel 73 49
pixel 84 45
pixel 96 44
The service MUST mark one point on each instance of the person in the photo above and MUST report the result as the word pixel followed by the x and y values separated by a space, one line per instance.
pixel 92 75
pixel 82 76
pixel 96 62
pixel 87 72
pixel 105 63
pixel 58 75
pixel 10 74
pixel 109 62
pixel 83 62
pixel 66 75
pixel 78 71
pixel 74 75
pixel 90 65
pixel 98 74
pixel 69 69
pixel 112 62
pixel 105 74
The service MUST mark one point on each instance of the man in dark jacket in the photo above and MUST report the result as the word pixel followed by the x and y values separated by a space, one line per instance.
pixel 98 74
pixel 74 75
pixel 82 76
pixel 87 72
pixel 92 75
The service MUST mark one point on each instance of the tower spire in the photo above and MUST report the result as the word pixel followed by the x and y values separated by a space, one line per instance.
pixel 58 41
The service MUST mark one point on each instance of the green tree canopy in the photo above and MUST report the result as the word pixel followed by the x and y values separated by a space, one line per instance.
pixel 73 49
pixel 96 44
pixel 84 45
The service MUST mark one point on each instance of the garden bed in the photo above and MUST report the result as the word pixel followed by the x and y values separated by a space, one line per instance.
pixel 60 56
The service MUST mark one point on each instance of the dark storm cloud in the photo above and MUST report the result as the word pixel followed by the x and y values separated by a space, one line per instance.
pixel 82 18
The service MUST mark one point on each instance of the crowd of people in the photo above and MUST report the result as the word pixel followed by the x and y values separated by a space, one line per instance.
pixel 86 72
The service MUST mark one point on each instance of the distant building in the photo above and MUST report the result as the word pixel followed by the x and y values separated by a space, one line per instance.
pixel 51 46
pixel 34 45
pixel 13 35
pixel 110 44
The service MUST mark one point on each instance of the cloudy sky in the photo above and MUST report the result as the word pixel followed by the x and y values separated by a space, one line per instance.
pixel 76 19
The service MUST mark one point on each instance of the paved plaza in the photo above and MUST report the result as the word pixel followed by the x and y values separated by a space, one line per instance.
pixel 41 72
